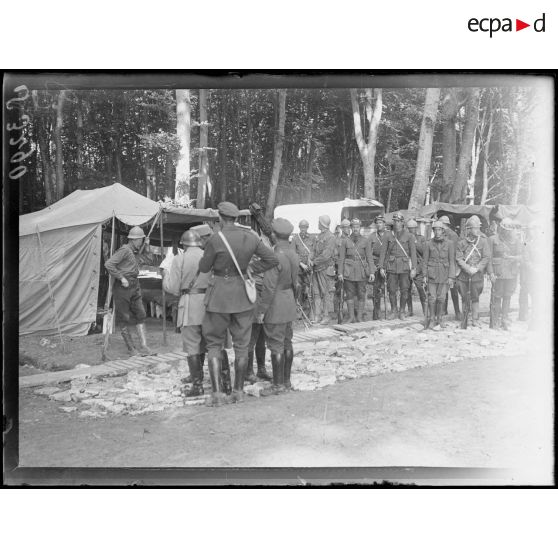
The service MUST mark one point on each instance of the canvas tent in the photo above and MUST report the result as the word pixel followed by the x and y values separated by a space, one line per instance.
pixel 521 214
pixel 59 257
pixel 459 211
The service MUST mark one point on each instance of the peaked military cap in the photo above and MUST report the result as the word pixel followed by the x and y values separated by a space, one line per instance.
pixel 282 226
pixel 228 209
pixel 202 230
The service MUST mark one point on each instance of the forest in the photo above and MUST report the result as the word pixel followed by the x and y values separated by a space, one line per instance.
pixel 405 147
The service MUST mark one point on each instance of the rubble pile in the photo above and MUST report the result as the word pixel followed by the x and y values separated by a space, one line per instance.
pixel 315 366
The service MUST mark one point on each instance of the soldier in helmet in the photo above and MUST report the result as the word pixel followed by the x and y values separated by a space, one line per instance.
pixel 503 269
pixel 454 237
pixel 226 300
pixel 473 255
pixel 344 232
pixel 186 281
pixel 438 266
pixel 420 242
pixel 124 267
pixel 398 260
pixel 377 240
pixel 277 307
pixel 322 264
pixel 355 268
pixel 303 244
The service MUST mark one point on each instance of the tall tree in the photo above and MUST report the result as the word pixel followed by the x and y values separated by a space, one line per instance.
pixel 183 126
pixel 203 172
pixel 459 190
pixel 58 144
pixel 424 157
pixel 277 152
pixel 449 140
pixel 367 147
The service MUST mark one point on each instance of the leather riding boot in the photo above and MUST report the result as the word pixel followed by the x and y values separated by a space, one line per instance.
pixel 505 310
pixel 393 305
pixel 455 300
pixel 475 314
pixel 431 314
pixel 144 349
pixel 351 309
pixel 250 376
pixel 376 309
pixel 317 309
pixel 440 316
pixel 127 336
pixel 360 310
pixel 410 302
pixel 217 396
pixel 495 310
pixel 194 365
pixel 225 373
pixel 445 305
pixel 402 305
pixel 240 365
pixel 277 364
pixel 288 355
pixel 422 297
pixel 261 374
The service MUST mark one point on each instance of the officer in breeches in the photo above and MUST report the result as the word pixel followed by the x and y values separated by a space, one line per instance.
pixel 377 240
pixel 398 259
pixel 124 267
pixel 226 300
pixel 420 243
pixel 438 266
pixel 277 307
pixel 473 255
pixel 303 243
pixel 454 237
pixel 355 268
pixel 503 269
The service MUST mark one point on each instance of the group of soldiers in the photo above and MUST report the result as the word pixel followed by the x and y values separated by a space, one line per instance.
pixel 234 288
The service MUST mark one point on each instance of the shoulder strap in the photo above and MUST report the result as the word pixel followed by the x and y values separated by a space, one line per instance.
pixel 299 238
pixel 231 253
pixel 474 247
pixel 379 239
pixel 397 240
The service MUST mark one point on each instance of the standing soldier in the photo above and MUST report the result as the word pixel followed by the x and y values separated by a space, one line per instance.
pixel 355 268
pixel 454 237
pixel 277 307
pixel 503 269
pixel 398 259
pixel 303 244
pixel 438 267
pixel 377 240
pixel 344 232
pixel 420 243
pixel 124 267
pixel 322 262
pixel 184 280
pixel 473 255
pixel 227 304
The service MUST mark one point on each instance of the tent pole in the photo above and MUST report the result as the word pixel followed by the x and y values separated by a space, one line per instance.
pixel 50 291
pixel 163 290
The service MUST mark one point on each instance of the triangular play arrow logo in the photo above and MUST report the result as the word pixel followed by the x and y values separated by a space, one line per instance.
pixel 519 25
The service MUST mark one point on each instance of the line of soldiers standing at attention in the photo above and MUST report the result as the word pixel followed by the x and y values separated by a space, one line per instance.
pixel 219 302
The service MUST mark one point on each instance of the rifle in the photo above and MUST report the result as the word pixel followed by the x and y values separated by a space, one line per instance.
pixel 491 310
pixel 385 298
pixel 341 302
pixel 466 307
pixel 260 218
pixel 427 312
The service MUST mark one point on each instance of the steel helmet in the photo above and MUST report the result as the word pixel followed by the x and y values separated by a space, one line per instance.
pixel 304 223
pixel 444 219
pixel 345 223
pixel 398 217
pixel 473 221
pixel 190 238
pixel 506 224
pixel 355 221
pixel 136 232
pixel 411 224
pixel 438 225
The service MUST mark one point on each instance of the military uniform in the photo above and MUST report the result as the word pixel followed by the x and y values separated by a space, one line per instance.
pixel 322 259
pixel 473 253
pixel 438 266
pixel 454 292
pixel 257 341
pixel 227 304
pixel 420 244
pixel 278 307
pixel 303 245
pixel 355 266
pixel 504 265
pixel 398 257
pixel 377 240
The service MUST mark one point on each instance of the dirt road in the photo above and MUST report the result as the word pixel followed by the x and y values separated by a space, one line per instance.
pixel 478 413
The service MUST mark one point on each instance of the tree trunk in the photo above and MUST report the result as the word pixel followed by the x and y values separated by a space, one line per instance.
pixel 449 138
pixel 44 152
pixel 58 145
pixel 223 148
pixel 277 154
pixel 486 154
pixel 203 160
pixel 250 152
pixel 424 157
pixel 311 150
pixel 183 112
pixel 459 190
pixel 367 147
pixel 79 140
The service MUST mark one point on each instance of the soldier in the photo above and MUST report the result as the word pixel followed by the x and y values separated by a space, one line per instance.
pixel 342 231
pixel 277 307
pixel 503 269
pixel 227 304
pixel 472 255
pixel 454 237
pixel 355 268
pixel 303 244
pixel 377 240
pixel 184 280
pixel 124 267
pixel 322 262
pixel 438 269
pixel 398 259
pixel 420 243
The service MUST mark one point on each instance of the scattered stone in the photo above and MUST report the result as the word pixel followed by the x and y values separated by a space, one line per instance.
pixel 93 414
pixel 82 365
pixel 255 389
pixel 303 382
pixel 162 367
pixel 485 342
pixel 68 409
pixel 192 401
pixel 44 342
pixel 62 396
pixel 321 344
pixel 49 390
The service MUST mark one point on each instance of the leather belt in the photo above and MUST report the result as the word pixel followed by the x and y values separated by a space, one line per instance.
pixel 229 274
pixel 192 291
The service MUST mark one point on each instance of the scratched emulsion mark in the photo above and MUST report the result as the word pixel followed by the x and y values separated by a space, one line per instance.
pixel 17 131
